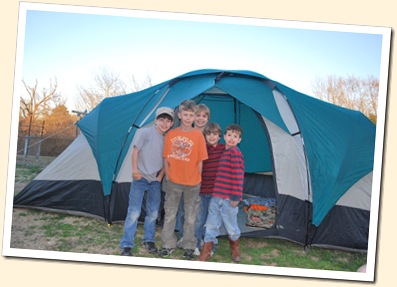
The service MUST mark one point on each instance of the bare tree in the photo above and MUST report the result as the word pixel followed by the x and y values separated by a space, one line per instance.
pixel 34 106
pixel 137 85
pixel 350 92
pixel 106 84
pixel 38 103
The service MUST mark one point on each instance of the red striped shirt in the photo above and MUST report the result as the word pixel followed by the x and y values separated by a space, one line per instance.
pixel 210 167
pixel 229 179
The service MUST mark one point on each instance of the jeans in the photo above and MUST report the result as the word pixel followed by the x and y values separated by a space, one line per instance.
pixel 191 201
pixel 220 211
pixel 153 199
pixel 202 218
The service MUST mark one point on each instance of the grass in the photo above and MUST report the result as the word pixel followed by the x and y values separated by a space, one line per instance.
pixel 26 173
pixel 67 233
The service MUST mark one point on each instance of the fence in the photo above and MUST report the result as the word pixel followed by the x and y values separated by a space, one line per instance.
pixel 36 146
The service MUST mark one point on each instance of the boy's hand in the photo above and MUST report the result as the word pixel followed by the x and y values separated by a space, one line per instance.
pixel 234 203
pixel 159 177
pixel 136 175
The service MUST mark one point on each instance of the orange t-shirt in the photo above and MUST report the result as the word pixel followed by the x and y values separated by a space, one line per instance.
pixel 183 151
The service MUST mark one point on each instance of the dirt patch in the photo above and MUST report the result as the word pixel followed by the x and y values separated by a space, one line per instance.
pixel 25 231
pixel 18 187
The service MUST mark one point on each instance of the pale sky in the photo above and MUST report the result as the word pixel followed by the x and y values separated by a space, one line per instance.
pixel 74 44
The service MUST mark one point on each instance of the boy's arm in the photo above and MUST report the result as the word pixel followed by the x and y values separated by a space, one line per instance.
pixel 136 175
pixel 161 174
pixel 239 180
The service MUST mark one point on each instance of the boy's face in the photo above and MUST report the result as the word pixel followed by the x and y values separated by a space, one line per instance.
pixel 187 118
pixel 212 138
pixel 201 119
pixel 163 124
pixel 232 139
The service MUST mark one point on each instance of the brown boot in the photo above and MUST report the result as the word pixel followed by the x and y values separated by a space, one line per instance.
pixel 205 254
pixel 234 246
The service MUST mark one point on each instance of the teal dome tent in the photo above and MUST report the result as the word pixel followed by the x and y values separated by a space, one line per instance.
pixel 314 158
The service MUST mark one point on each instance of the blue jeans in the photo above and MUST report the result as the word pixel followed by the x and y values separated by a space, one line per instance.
pixel 202 218
pixel 153 198
pixel 220 211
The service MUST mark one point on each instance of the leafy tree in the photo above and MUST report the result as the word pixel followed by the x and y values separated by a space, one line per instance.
pixel 60 123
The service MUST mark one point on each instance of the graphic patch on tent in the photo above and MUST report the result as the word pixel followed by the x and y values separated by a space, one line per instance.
pixel 261 212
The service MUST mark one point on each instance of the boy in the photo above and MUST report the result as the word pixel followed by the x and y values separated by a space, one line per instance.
pixel 212 133
pixel 202 117
pixel 200 120
pixel 226 195
pixel 184 152
pixel 147 172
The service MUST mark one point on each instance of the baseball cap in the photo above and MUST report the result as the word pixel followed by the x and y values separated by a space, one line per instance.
pixel 165 110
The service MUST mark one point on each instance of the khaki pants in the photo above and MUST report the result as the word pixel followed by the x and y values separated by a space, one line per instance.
pixel 191 204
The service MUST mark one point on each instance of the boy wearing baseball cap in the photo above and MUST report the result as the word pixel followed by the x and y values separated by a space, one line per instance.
pixel 147 173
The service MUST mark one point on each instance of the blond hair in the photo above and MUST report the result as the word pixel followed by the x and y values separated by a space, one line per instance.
pixel 202 108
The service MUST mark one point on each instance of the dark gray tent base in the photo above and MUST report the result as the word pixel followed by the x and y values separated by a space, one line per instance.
pixel 82 197
pixel 70 197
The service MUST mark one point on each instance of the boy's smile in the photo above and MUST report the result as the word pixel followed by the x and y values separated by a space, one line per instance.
pixel 232 139
pixel 163 125
pixel 212 138
pixel 201 120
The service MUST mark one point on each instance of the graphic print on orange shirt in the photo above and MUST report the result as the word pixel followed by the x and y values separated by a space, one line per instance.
pixel 181 148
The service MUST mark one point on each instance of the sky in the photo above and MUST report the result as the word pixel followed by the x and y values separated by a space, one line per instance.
pixel 74 44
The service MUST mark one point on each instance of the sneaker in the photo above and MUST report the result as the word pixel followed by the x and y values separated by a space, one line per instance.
pixel 179 243
pixel 150 247
pixel 126 251
pixel 196 252
pixel 189 254
pixel 165 252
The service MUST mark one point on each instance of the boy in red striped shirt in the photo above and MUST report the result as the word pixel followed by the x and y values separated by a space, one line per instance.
pixel 226 195
pixel 212 132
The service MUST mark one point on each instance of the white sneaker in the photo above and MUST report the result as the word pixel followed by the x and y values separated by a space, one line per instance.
pixel 196 252
pixel 179 243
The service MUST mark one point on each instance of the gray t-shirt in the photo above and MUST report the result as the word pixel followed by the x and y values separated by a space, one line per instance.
pixel 150 144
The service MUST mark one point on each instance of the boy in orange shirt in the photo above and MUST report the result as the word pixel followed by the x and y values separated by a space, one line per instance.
pixel 184 152
pixel 200 121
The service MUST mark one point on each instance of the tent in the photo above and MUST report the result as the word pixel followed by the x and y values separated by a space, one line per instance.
pixel 314 158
